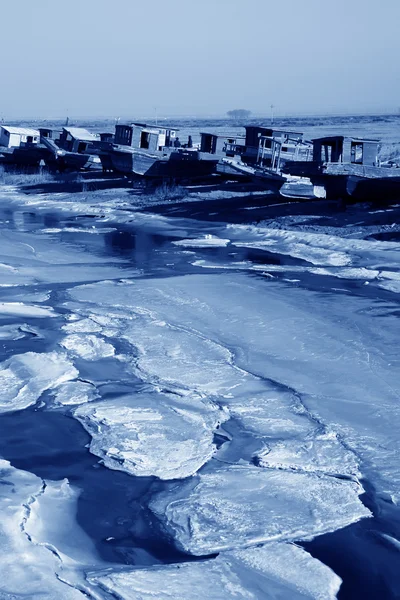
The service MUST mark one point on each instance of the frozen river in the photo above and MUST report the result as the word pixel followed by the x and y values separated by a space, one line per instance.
pixel 198 399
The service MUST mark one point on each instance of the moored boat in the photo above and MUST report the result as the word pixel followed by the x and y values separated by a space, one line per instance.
pixel 71 149
pixel 20 146
pixel 260 163
pixel 348 168
pixel 157 152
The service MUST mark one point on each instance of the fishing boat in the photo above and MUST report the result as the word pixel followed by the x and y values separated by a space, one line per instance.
pixel 157 152
pixel 20 146
pixel 260 160
pixel 348 168
pixel 71 149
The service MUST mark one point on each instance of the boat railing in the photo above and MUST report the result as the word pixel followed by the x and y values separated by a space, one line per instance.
pixel 288 150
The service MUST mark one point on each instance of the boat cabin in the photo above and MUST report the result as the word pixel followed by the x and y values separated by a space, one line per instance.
pixel 77 139
pixel 217 144
pixel 254 134
pixel 107 136
pixel 260 141
pixel 50 134
pixel 142 136
pixel 13 137
pixel 341 149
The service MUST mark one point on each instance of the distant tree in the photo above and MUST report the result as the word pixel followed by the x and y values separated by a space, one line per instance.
pixel 239 113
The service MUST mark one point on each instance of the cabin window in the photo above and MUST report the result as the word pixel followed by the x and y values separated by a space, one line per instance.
pixel 29 139
pixel 82 147
pixel 327 153
pixel 207 143
pixel 357 153
pixel 145 140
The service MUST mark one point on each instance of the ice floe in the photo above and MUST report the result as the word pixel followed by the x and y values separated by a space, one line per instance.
pixel 20 309
pixel 24 377
pixel 320 249
pixel 27 568
pixel 75 392
pixel 273 572
pixel 316 452
pixel 237 506
pixel 82 326
pixel 157 434
pixel 88 347
pixel 16 332
pixel 208 240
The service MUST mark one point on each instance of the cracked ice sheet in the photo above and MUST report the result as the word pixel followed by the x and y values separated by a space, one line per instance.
pixel 339 352
pixel 152 434
pixel 27 570
pixel 239 506
pixel 24 377
pixel 277 571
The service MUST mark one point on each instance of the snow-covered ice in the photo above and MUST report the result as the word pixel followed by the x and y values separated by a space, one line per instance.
pixel 204 242
pixel 318 452
pixel 320 249
pixel 16 332
pixel 157 434
pixel 24 377
pixel 236 506
pixel 20 309
pixel 28 568
pixel 217 334
pixel 75 392
pixel 89 347
pixel 82 326
pixel 273 572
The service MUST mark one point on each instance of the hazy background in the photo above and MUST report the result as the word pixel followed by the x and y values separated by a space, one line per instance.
pixel 189 57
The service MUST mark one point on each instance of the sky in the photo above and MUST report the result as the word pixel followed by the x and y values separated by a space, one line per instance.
pixel 131 58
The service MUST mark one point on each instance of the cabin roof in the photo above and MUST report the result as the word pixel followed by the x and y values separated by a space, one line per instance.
pixel 153 128
pixel 222 135
pixel 20 130
pixel 79 133
pixel 334 138
pixel 273 129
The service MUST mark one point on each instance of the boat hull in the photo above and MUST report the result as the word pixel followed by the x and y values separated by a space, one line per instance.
pixel 352 182
pixel 266 178
pixel 173 165
pixel 22 156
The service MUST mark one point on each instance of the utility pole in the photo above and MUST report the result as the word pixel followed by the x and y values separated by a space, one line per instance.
pixel 272 114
